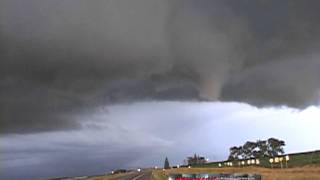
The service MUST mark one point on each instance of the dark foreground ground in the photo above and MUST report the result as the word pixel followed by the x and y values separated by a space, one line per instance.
pixel 144 175
pixel 301 173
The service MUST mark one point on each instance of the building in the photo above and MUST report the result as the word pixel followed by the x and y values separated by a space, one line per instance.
pixel 196 160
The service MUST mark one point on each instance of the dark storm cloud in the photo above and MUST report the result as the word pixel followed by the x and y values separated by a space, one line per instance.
pixel 61 59
pixel 281 64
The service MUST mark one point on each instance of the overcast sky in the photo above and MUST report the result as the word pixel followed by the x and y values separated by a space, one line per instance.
pixel 89 86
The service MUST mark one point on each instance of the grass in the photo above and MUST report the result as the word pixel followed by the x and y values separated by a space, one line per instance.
pixel 301 173
pixel 304 165
pixel 301 166
pixel 296 160
pixel 158 175
pixel 109 177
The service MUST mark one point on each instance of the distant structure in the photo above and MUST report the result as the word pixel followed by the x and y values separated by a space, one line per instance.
pixel 196 160
pixel 166 164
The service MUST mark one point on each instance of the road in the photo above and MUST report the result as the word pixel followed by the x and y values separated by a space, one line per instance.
pixel 144 175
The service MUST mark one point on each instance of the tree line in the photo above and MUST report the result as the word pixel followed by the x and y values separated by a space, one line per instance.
pixel 261 148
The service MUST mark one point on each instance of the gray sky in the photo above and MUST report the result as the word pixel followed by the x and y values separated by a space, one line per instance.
pixel 143 134
pixel 117 83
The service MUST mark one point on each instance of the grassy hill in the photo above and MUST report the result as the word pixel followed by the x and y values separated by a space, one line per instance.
pixel 299 173
pixel 296 160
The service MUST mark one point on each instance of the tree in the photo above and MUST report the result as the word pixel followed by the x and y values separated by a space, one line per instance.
pixel 166 164
pixel 275 147
pixel 235 153
pixel 248 149
pixel 261 148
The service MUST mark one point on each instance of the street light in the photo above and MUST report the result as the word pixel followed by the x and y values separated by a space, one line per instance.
pixel 281 159
pixel 287 159
pixel 271 161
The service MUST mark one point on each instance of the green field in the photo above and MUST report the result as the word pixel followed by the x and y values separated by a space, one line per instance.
pixel 296 160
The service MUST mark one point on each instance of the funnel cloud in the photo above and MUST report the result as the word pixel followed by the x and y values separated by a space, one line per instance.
pixel 63 59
